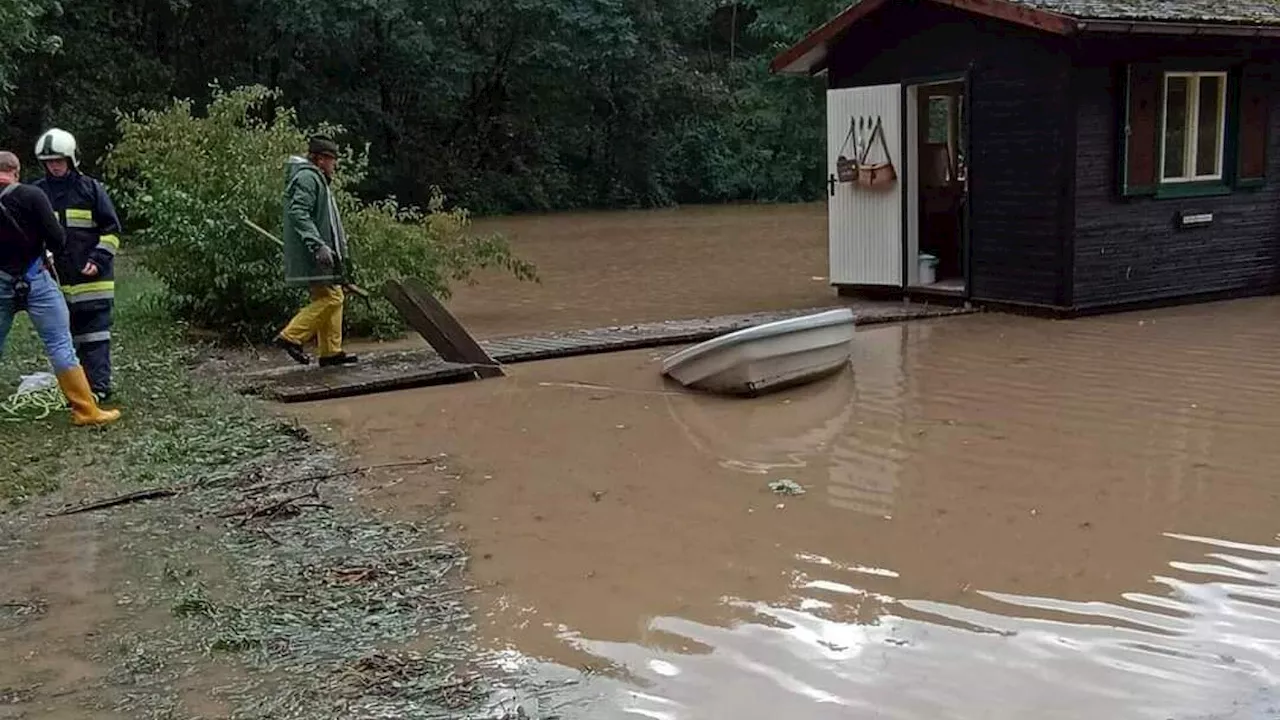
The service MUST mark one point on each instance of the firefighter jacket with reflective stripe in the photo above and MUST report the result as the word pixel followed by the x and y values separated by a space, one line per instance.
pixel 93 228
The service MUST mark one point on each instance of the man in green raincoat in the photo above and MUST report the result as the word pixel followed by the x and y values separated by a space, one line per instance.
pixel 315 254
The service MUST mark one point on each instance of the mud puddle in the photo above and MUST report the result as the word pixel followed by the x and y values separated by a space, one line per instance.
pixel 1003 517
pixel 72 601
pixel 56 596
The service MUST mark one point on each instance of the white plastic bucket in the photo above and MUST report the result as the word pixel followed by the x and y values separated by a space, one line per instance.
pixel 928 269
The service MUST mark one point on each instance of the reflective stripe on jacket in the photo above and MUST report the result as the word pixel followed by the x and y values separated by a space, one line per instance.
pixel 93 227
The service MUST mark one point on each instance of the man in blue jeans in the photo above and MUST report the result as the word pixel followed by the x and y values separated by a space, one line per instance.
pixel 29 229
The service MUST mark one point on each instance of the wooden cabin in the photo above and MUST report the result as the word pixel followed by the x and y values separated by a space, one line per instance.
pixel 1066 156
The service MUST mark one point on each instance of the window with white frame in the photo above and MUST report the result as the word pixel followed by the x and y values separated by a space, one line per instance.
pixel 1193 135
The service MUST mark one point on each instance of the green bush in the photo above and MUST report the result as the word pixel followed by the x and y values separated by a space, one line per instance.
pixel 186 184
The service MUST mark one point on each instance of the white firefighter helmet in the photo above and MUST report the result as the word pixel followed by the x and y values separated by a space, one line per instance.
pixel 55 144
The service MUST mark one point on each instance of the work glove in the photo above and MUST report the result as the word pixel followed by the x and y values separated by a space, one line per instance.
pixel 324 256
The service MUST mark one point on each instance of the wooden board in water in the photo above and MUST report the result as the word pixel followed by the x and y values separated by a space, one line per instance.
pixel 438 326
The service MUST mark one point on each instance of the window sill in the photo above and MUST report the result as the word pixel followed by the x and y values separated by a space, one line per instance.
pixel 1192 189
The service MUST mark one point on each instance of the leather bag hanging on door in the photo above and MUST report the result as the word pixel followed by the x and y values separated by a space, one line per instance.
pixel 880 175
pixel 847 167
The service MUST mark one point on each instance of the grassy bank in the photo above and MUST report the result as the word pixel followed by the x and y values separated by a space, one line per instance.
pixel 261 587
pixel 175 427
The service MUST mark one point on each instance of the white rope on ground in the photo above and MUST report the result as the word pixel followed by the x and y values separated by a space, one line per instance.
pixel 30 406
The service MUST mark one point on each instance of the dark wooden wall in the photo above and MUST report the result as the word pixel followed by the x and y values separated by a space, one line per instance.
pixel 1021 139
pixel 1130 250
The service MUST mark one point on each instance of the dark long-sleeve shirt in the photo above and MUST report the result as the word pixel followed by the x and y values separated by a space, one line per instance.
pixel 37 229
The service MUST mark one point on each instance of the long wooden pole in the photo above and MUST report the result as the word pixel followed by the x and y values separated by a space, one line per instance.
pixel 355 289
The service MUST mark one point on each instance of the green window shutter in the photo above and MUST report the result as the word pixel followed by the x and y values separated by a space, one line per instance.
pixel 1139 133
pixel 1253 122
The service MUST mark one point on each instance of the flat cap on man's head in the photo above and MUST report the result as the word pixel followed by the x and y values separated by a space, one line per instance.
pixel 322 145
pixel 9 162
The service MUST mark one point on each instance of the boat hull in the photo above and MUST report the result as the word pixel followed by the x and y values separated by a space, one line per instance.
pixel 768 357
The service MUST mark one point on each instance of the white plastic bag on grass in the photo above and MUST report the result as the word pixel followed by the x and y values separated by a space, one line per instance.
pixel 35 383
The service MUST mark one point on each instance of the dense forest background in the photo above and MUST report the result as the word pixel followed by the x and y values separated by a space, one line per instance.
pixel 506 105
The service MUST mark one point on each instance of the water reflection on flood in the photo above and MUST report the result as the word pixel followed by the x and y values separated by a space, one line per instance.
pixel 1005 518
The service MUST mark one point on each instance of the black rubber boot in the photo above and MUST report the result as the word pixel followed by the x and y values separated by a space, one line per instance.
pixel 294 350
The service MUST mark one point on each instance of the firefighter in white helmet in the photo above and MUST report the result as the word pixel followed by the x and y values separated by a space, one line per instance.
pixel 86 267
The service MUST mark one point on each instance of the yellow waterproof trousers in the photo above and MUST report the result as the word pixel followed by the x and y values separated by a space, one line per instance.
pixel 322 319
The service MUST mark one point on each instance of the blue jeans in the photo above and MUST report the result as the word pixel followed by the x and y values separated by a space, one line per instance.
pixel 48 312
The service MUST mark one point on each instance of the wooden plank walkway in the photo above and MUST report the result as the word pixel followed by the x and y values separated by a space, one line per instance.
pixel 399 370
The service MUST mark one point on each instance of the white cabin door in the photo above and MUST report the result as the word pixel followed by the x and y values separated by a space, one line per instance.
pixel 864 227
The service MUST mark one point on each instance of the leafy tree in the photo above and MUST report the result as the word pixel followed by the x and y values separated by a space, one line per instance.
pixel 21 37
pixel 507 105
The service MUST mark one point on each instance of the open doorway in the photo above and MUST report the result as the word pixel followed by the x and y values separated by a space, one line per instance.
pixel 939 186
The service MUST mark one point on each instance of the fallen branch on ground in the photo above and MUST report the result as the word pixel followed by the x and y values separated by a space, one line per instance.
pixel 125 499
pixel 157 493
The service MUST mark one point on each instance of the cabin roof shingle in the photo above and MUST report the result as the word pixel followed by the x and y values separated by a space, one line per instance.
pixel 1250 12
pixel 1062 17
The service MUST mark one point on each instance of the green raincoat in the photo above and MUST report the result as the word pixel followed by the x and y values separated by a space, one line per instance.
pixel 311 218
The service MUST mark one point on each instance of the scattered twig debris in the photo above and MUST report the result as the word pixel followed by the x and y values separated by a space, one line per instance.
pixel 352 575
pixel 23 608
pixel 158 493
pixel 271 538
pixel 286 506
pixel 318 477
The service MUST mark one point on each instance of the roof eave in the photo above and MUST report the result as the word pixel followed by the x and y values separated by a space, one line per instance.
pixel 810 63
pixel 809 55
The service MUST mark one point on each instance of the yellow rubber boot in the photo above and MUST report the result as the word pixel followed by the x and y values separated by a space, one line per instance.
pixel 84 406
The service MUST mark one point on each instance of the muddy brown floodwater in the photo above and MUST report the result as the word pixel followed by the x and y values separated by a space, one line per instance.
pixel 605 268
pixel 58 593
pixel 1005 518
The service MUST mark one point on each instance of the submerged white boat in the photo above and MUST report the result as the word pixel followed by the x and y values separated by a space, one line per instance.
pixel 767 357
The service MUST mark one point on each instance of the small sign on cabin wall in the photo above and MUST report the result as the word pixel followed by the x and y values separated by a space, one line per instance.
pixel 1188 218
